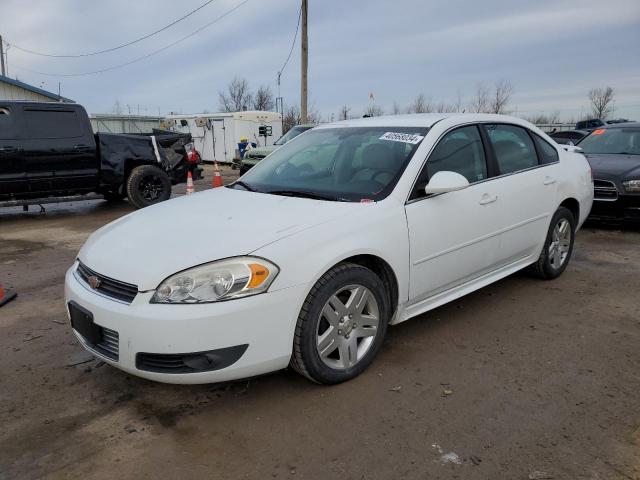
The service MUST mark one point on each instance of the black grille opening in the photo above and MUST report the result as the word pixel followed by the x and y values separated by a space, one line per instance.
pixel 108 345
pixel 124 292
pixel 190 362
pixel 604 190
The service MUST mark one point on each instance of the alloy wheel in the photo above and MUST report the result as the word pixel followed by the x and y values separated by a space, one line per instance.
pixel 347 327
pixel 560 243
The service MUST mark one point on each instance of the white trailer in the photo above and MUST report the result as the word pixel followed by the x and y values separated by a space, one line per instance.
pixel 216 135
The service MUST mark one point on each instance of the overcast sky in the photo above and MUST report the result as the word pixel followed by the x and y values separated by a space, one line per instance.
pixel 552 52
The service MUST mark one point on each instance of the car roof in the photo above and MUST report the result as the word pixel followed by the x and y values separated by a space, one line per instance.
pixel 423 120
pixel 622 125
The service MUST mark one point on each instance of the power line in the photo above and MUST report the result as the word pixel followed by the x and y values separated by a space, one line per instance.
pixel 48 74
pixel 118 47
pixel 292 44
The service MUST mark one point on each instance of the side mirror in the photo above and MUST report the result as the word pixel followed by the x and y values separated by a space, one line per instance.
pixel 444 181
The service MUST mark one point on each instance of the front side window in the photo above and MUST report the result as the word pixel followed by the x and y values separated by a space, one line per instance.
pixel 459 151
pixel 345 163
pixel 52 124
pixel 613 140
pixel 513 148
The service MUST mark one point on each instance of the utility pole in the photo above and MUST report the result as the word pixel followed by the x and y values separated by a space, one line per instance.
pixel 2 56
pixel 305 59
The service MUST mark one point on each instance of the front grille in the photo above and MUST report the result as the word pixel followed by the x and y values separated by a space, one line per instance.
pixel 109 343
pixel 190 362
pixel 123 292
pixel 604 190
pixel 162 363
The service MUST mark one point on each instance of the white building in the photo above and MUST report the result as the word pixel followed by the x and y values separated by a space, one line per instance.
pixel 11 89
pixel 216 135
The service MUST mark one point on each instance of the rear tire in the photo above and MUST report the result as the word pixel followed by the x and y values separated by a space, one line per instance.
pixel 341 326
pixel 558 246
pixel 147 185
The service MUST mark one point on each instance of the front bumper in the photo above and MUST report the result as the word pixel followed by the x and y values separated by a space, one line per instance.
pixel 625 208
pixel 264 322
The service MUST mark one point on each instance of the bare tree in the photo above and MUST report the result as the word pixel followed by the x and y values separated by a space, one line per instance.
pixel 263 99
pixel 601 100
pixel 480 104
pixel 444 107
pixel 501 97
pixel 291 118
pixel 421 104
pixel 459 103
pixel 117 108
pixel 374 110
pixel 544 118
pixel 395 108
pixel 237 97
pixel 343 114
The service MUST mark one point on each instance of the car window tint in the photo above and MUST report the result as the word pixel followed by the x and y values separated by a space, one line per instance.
pixel 548 153
pixel 52 124
pixel 6 124
pixel 459 151
pixel 513 148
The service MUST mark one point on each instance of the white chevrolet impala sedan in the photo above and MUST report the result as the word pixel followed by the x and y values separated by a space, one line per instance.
pixel 310 256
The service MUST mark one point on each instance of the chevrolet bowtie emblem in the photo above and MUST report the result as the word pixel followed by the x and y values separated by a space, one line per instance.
pixel 93 281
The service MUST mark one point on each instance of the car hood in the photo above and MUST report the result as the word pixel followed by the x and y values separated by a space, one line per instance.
pixel 146 246
pixel 614 165
pixel 261 151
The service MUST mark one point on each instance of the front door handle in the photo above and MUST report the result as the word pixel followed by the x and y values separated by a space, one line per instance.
pixel 487 199
pixel 8 149
pixel 549 181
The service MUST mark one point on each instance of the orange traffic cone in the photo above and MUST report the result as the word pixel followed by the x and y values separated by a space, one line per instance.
pixel 217 178
pixel 6 294
pixel 189 183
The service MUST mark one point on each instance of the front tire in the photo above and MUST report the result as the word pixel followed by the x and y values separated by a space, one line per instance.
pixel 558 246
pixel 341 326
pixel 148 184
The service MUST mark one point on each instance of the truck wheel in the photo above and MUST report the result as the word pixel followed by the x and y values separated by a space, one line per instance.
pixel 147 185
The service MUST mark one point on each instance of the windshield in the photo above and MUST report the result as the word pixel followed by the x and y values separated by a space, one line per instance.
pixel 613 140
pixel 290 135
pixel 348 164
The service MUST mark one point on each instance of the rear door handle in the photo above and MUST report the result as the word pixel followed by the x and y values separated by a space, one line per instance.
pixel 549 181
pixel 81 147
pixel 487 199
pixel 8 149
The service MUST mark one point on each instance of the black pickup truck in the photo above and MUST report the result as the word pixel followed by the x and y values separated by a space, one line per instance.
pixel 49 150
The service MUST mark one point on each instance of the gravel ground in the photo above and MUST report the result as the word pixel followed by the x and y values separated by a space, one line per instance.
pixel 523 379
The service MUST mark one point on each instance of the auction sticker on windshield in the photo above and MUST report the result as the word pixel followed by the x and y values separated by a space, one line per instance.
pixel 412 138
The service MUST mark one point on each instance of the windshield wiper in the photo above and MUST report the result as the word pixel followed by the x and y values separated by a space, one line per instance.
pixel 305 194
pixel 244 185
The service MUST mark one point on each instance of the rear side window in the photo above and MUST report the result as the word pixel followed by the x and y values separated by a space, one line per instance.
pixel 548 153
pixel 513 148
pixel 52 124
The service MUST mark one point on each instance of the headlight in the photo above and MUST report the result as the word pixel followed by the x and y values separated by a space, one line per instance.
pixel 632 185
pixel 216 281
